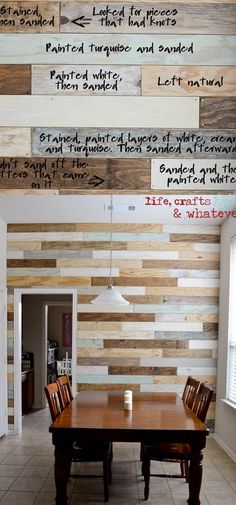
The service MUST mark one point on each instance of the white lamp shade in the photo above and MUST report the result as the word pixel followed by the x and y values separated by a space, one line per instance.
pixel 108 296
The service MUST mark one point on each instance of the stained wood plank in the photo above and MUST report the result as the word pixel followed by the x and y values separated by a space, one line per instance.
pixel 58 245
pixel 86 80
pixel 15 79
pixel 145 370
pixel 133 143
pixel 194 237
pixel 124 48
pixel 135 281
pixel 218 112
pixel 36 17
pixel 182 174
pixel 31 263
pixel 147 18
pixel 103 111
pixel 15 141
pixel 65 173
pixel 98 316
pixel 186 80
pixel 145 344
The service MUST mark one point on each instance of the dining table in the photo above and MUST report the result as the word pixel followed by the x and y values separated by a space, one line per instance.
pixel 96 416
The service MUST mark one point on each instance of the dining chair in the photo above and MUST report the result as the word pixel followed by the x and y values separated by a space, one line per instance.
pixel 188 396
pixel 54 399
pixel 59 395
pixel 190 390
pixel 175 452
pixel 65 388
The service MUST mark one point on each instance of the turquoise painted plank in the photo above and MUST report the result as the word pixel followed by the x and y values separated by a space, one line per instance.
pixel 129 237
pixel 90 343
pixel 33 272
pixel 118 49
pixel 114 379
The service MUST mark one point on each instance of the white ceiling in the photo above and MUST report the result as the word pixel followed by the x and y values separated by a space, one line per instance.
pixel 94 208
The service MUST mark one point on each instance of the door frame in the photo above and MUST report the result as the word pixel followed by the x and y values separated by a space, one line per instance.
pixel 18 341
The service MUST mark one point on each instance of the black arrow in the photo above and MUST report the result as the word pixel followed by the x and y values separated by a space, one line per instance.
pixel 83 21
pixel 95 181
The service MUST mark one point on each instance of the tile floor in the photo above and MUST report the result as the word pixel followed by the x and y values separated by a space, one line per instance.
pixel 26 473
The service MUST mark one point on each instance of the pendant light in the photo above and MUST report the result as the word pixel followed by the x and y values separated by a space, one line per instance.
pixel 110 295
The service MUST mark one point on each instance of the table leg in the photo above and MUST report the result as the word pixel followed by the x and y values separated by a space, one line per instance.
pixel 62 468
pixel 195 477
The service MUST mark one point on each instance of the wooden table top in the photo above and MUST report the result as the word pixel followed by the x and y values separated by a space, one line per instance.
pixel 104 410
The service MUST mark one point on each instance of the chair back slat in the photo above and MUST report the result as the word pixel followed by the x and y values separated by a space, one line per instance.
pixel 190 390
pixel 202 402
pixel 65 388
pixel 55 401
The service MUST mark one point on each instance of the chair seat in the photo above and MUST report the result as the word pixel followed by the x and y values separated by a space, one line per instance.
pixel 166 451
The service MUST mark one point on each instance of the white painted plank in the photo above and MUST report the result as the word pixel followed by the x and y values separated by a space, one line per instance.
pixel 86 80
pixel 193 174
pixel 104 111
pixel 15 141
pixel 200 283
pixel 186 228
pixel 118 49
pixel 160 255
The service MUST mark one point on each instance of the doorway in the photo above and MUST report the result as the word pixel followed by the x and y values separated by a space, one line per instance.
pixel 32 309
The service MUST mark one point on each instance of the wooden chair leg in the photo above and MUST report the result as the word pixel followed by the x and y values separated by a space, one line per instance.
pixel 182 468
pixel 186 470
pixel 106 480
pixel 146 472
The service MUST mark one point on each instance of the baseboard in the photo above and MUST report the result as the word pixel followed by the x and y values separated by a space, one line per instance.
pixel 225 447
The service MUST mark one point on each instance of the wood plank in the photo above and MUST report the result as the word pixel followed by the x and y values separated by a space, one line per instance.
pixel 58 245
pixel 218 112
pixel 145 370
pixel 198 264
pixel 194 237
pixel 193 174
pixel 186 80
pixel 146 18
pixel 125 49
pixel 15 79
pixel 15 141
pixel 102 111
pixel 31 263
pixel 135 281
pixel 145 344
pixel 66 173
pixel 133 143
pixel 98 316
pixel 36 17
pixel 86 80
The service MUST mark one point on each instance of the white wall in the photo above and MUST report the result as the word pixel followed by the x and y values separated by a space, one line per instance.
pixel 225 415
pixel 3 230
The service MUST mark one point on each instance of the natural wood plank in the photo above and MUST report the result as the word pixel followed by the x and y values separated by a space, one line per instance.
pixel 15 141
pixel 100 49
pixel 86 80
pixel 47 281
pixel 199 264
pixel 142 18
pixel 187 81
pixel 218 112
pixel 15 79
pixel 133 143
pixel 57 173
pixel 81 245
pixel 87 227
pixel 36 17
pixel 63 111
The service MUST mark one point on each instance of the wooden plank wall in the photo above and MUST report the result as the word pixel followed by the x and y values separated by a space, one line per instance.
pixel 169 274
pixel 95 99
